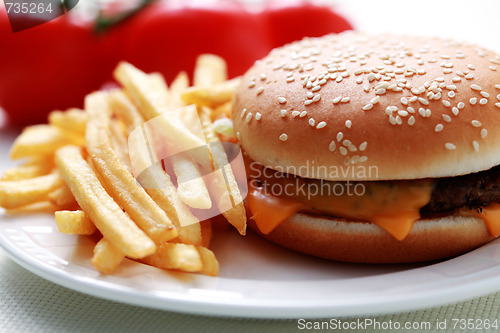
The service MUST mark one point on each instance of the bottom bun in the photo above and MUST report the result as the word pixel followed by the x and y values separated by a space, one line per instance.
pixel 361 242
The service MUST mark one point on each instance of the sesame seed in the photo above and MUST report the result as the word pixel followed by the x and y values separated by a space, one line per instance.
pixel 376 99
pixel 404 101
pixel 492 68
pixel 497 105
pixel 238 136
pixel 451 94
pixel 456 79
pixel 428 113
pixel 283 113
pixel 476 123
pixel 476 87
pixel 446 103
pixel 471 67
pixel 259 90
pixel 484 133
pixel 340 135
pixel 483 101
pixel 251 84
pixel 461 105
pixel 295 114
pixel 303 114
pixel 363 146
pixel 497 86
pixel 281 100
pixel 312 122
pixel 337 99
pixel 359 80
pixel 343 151
pixel 263 77
pixel 363 159
pixel 411 110
pixel 366 88
pixel 249 117
pixel 446 118
pixel 469 76
pixel 403 113
pixel 315 88
pixel 498 97
pixel 332 146
pixel 283 137
pixel 345 100
pixel 411 121
pixel 321 125
pixel 243 112
pixel 485 94
pixel 421 111
pixel 423 101
pixel 316 98
pixel 258 116
pixel 309 94
pixel 348 123
pixel 380 91
pixel 308 102
pixel 439 128
pixel 455 111
pixel 347 143
pixel 475 144
pixel 450 146
pixel 392 120
pixel 473 100
pixel 368 106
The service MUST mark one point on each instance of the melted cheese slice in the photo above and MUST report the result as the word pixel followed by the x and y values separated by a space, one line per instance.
pixel 490 215
pixel 394 206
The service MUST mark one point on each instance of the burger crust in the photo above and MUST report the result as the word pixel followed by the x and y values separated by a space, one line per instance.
pixel 443 99
pixel 362 242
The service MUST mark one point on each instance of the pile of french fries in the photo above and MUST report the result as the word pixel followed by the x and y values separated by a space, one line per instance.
pixel 83 166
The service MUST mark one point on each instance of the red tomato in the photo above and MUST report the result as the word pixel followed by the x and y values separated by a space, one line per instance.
pixel 51 66
pixel 167 36
pixel 287 21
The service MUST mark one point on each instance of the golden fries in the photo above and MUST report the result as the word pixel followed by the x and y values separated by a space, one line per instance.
pixel 107 216
pixel 26 171
pixel 117 180
pixel 210 69
pixel 176 256
pixel 211 96
pixel 73 121
pixel 106 257
pixel 226 188
pixel 18 193
pixel 41 140
pixel 74 223
pixel 147 94
pixel 107 168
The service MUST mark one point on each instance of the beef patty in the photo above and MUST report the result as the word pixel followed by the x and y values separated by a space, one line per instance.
pixel 472 190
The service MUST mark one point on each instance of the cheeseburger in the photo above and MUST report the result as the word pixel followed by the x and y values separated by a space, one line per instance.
pixel 376 149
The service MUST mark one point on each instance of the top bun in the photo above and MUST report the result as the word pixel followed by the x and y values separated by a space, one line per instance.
pixel 358 107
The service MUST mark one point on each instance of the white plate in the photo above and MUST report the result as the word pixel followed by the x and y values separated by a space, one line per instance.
pixel 257 279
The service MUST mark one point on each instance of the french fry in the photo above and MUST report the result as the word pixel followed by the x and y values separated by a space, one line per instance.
pixel 41 140
pixel 117 180
pixel 191 186
pixel 72 120
pixel 62 197
pixel 119 144
pixel 178 86
pixel 26 171
pixel 158 185
pixel 209 262
pixel 108 217
pixel 209 70
pixel 226 189
pixel 121 106
pixel 106 257
pixel 18 193
pixel 42 207
pixel 74 223
pixel 176 256
pixel 147 94
pixel 211 95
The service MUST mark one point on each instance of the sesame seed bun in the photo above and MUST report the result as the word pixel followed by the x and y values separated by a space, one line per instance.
pixel 362 242
pixel 407 107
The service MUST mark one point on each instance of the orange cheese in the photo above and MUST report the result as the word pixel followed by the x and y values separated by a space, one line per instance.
pixel 394 206
pixel 490 215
